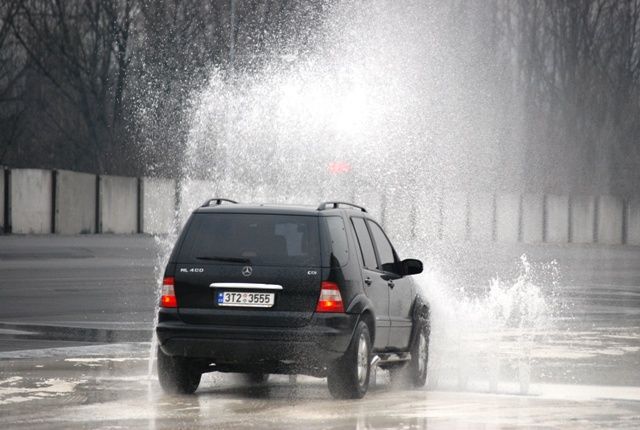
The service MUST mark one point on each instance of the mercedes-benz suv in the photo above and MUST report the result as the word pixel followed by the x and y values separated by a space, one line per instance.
pixel 261 290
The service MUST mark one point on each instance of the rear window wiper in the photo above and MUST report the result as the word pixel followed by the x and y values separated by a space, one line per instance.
pixel 226 259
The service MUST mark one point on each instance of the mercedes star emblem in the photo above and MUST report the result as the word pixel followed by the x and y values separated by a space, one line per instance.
pixel 247 270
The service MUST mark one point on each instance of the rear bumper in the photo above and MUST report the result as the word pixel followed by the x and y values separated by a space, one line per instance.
pixel 325 338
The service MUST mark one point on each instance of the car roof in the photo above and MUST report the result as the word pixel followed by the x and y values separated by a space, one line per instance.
pixel 281 209
pixel 260 208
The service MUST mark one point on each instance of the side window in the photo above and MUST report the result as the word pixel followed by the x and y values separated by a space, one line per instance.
pixel 338 235
pixel 385 250
pixel 366 246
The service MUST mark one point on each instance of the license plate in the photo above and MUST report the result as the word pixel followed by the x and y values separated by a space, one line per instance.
pixel 245 299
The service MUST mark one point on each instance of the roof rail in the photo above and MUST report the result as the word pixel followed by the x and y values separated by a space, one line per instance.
pixel 218 202
pixel 324 205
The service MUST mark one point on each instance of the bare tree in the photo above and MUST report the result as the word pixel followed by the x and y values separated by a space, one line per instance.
pixel 577 69
pixel 12 68
pixel 81 49
pixel 105 85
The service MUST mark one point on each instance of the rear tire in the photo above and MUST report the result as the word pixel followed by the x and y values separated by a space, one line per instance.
pixel 348 377
pixel 177 375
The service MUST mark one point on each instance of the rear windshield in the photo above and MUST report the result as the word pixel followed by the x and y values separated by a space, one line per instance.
pixel 255 239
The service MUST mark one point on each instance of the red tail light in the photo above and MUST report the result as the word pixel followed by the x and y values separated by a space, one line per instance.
pixel 330 299
pixel 168 299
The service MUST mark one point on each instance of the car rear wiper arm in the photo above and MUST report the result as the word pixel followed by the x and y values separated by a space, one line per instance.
pixel 226 259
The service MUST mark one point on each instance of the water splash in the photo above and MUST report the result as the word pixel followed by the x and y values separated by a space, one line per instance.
pixel 482 336
pixel 400 110
pixel 411 123
pixel 163 245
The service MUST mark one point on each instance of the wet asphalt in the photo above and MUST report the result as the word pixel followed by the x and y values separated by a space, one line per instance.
pixel 75 328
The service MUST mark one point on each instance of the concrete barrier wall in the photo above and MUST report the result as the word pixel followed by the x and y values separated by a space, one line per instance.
pixel 557 219
pixel 2 199
pixel 118 204
pixel 610 216
pixel 582 225
pixel 454 216
pixel 507 217
pixel 532 218
pixel 633 222
pixel 158 205
pixel 481 217
pixel 31 201
pixel 75 203
pixel 130 205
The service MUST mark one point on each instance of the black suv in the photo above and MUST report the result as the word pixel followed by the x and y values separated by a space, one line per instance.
pixel 260 289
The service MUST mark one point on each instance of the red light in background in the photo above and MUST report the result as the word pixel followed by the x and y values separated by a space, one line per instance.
pixel 337 167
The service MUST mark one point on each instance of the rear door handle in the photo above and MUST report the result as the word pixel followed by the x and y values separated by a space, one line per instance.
pixel 368 281
pixel 391 284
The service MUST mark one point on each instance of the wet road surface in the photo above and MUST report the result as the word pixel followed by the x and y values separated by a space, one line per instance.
pixel 113 391
pixel 75 318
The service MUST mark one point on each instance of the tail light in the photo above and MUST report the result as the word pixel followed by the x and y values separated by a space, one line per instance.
pixel 168 298
pixel 330 299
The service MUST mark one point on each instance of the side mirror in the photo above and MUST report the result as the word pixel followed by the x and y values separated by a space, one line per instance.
pixel 411 266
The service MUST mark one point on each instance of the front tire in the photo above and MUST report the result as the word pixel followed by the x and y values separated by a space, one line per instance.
pixel 177 375
pixel 348 377
pixel 417 368
pixel 414 373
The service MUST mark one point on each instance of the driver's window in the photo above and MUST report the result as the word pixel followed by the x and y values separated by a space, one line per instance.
pixel 385 250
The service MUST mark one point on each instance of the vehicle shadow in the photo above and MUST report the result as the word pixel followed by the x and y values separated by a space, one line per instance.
pixel 305 388
pixel 269 390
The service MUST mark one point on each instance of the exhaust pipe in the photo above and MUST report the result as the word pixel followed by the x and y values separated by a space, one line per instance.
pixel 375 360
pixel 373 380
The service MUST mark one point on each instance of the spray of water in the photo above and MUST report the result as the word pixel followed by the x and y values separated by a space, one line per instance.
pixel 386 88
pixel 164 245
pixel 488 333
pixel 390 94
